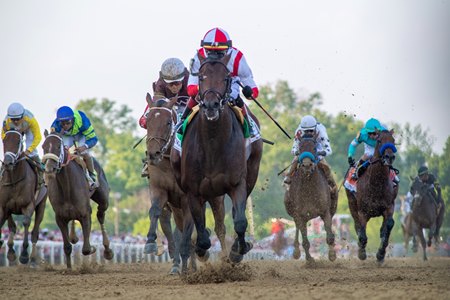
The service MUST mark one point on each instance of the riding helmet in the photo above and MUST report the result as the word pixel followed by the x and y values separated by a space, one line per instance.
pixel 16 111
pixel 64 113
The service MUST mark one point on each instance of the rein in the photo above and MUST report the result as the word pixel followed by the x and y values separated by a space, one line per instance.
pixel 52 156
pixel 164 142
pixel 223 97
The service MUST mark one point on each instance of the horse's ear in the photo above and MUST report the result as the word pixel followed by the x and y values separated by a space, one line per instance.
pixel 392 131
pixel 45 132
pixel 149 99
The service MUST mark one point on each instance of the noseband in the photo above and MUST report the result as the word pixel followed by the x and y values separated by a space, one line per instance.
pixel 307 154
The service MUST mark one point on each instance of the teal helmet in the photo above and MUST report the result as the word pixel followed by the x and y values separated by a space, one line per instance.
pixel 372 125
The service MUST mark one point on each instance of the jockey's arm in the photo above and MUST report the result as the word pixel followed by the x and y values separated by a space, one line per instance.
pixel 294 150
pixel 352 147
pixel 324 140
pixel 5 128
pixel 36 132
pixel 192 85
pixel 246 76
pixel 88 131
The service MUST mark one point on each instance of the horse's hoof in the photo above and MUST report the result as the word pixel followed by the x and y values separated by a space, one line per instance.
pixel 150 248
pixel 296 254
pixel 160 251
pixel 90 251
pixel 235 257
pixel 175 270
pixel 12 256
pixel 362 254
pixel 248 247
pixel 74 240
pixel 108 254
pixel 332 255
pixel 204 257
pixel 24 259
pixel 429 243
pixel 310 259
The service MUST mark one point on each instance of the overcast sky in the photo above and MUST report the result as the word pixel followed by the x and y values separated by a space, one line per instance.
pixel 385 59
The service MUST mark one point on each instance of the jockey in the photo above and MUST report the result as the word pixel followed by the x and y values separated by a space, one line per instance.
pixel 367 135
pixel 172 82
pixel 217 43
pixel 77 131
pixel 21 119
pixel 310 127
pixel 430 180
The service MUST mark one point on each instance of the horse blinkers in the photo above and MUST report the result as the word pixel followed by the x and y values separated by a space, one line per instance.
pixel 11 155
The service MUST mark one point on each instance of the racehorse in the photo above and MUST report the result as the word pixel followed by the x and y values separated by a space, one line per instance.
pixel 70 195
pixel 213 158
pixel 425 215
pixel 308 197
pixel 375 195
pixel 20 195
pixel 165 190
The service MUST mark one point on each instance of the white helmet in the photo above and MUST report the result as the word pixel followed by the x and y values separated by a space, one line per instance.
pixel 308 123
pixel 172 70
pixel 15 111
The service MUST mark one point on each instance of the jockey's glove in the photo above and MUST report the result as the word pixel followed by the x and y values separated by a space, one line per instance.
pixel 351 161
pixel 247 91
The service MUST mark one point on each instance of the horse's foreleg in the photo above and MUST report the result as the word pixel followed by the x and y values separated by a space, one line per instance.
pixel 27 213
pixel 422 242
pixel 12 232
pixel 297 252
pixel 385 232
pixel 330 236
pixel 185 244
pixel 108 254
pixel 86 227
pixel 65 235
pixel 240 246
pixel 38 216
pixel 218 209
pixel 166 227
pixel 305 241
pixel 158 200
pixel 362 236
pixel 197 207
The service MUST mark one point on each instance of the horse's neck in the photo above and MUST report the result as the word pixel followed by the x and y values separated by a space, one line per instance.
pixel 217 133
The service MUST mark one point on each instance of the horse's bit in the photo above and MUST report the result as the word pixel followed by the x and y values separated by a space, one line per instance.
pixel 58 159
pixel 164 142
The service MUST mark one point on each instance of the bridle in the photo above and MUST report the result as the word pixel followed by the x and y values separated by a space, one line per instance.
pixel 164 142
pixel 15 155
pixel 385 159
pixel 308 154
pixel 52 156
pixel 224 96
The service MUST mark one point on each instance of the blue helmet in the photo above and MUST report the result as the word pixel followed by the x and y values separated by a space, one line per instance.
pixel 64 113
pixel 372 125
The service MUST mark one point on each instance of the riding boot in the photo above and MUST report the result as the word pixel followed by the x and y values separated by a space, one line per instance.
pixel 92 173
pixel 360 168
pixel 179 125
pixel 288 178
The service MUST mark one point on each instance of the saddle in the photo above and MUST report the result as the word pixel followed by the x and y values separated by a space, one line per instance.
pixel 237 111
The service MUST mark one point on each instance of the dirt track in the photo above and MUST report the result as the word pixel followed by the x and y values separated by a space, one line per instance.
pixel 406 278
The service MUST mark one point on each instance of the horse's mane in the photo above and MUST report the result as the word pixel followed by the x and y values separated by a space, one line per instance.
pixel 160 102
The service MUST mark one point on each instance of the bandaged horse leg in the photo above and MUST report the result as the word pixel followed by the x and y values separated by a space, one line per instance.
pixel 72 234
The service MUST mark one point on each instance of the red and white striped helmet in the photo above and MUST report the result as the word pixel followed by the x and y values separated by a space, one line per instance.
pixel 216 39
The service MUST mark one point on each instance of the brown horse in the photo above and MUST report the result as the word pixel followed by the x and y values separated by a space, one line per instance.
pixel 164 189
pixel 213 158
pixel 375 195
pixel 424 215
pixel 309 197
pixel 20 195
pixel 70 195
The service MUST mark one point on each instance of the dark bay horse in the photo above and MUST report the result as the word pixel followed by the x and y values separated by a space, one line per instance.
pixel 425 215
pixel 213 158
pixel 164 189
pixel 309 197
pixel 20 195
pixel 375 195
pixel 69 194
